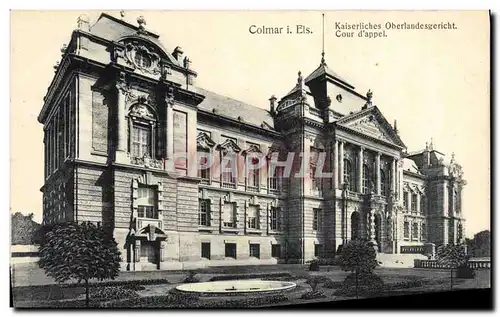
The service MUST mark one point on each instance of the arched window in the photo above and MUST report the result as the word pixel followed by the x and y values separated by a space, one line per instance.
pixel 365 179
pixel 383 183
pixel 142 126
pixel 355 226
pixel 349 175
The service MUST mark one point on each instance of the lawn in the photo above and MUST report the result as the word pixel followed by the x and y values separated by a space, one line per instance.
pixel 152 289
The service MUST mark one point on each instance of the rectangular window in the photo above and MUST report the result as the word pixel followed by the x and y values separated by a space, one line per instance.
pixel 413 202
pixel 61 127
pixel 423 232
pixel 406 229
pixel 422 205
pixel 205 250
pixel 414 231
pixel 141 141
pixel 275 218
pixel 255 250
pixel 230 250
pixel 316 183
pixel 252 217
pixel 276 251
pixel 253 180
pixel 229 215
pixel 204 212
pixel 146 202
pixel 67 125
pixel 405 201
pixel 204 169
pixel 229 171
pixel 318 250
pixel 276 180
pixel 317 219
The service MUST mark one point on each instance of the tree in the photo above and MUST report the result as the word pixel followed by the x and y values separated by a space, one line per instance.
pixel 482 244
pixel 24 230
pixel 358 257
pixel 81 252
pixel 451 256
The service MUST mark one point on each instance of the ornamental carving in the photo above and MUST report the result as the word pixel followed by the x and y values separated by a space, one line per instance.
pixel 252 149
pixel 369 126
pixel 229 146
pixel 141 56
pixel 142 111
pixel 454 169
pixel 204 142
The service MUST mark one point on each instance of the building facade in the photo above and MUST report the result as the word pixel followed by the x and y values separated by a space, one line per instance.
pixel 126 130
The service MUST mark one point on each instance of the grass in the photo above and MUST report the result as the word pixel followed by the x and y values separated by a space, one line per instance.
pixel 396 282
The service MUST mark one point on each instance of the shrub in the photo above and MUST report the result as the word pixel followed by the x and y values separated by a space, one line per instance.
pixel 250 302
pixel 191 278
pixel 314 281
pixel 313 295
pixel 367 284
pixel 332 284
pixel 249 276
pixel 112 293
pixel 134 287
pixel 132 282
pixel 314 265
pixel 165 301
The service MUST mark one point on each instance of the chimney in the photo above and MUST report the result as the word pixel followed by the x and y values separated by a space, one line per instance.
pixel 427 156
pixel 178 54
pixel 396 126
pixel 272 102
pixel 83 23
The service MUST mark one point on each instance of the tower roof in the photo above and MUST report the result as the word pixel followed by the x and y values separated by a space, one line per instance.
pixel 324 71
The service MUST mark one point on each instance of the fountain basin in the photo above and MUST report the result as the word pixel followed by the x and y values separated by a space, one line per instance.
pixel 236 287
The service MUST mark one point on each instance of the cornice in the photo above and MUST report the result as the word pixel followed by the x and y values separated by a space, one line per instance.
pixel 357 133
pixel 243 125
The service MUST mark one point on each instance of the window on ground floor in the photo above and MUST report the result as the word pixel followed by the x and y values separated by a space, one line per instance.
pixel 252 217
pixel 406 229
pixel 276 251
pixel 205 250
pixel 414 231
pixel 255 250
pixel 204 212
pixel 230 250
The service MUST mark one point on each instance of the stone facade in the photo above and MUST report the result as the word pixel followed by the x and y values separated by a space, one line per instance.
pixel 121 108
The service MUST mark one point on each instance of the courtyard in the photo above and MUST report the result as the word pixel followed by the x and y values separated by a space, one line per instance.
pixel 31 288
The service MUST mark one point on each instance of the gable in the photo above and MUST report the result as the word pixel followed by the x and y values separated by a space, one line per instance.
pixel 371 122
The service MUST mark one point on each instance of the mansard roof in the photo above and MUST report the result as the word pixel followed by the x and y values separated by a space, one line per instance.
pixel 113 29
pixel 324 71
pixel 235 109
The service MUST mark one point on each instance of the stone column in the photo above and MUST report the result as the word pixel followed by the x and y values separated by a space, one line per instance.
pixel 360 170
pixel 393 175
pixel 408 208
pixel 336 165
pixel 341 163
pixel 121 146
pixel 137 250
pixel 418 211
pixel 399 186
pixel 170 131
pixel 377 167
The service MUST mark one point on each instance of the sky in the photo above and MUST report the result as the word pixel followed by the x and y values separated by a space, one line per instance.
pixel 434 82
